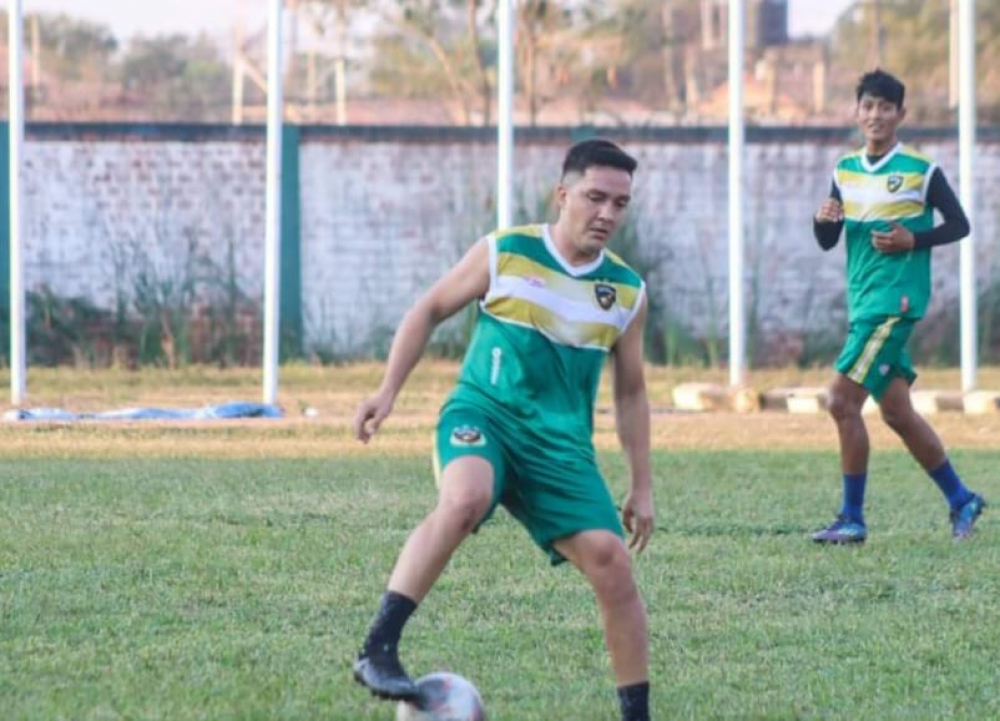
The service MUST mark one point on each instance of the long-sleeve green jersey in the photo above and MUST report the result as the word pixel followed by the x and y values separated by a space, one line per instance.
pixel 875 194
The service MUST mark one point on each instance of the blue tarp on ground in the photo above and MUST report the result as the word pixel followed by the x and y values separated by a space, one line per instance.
pixel 225 410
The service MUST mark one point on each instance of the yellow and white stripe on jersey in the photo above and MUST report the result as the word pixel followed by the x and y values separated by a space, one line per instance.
pixel 532 286
pixel 892 189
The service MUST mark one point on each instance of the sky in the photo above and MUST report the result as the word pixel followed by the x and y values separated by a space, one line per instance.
pixel 218 17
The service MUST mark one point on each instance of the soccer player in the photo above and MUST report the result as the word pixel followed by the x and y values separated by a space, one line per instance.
pixel 517 428
pixel 884 197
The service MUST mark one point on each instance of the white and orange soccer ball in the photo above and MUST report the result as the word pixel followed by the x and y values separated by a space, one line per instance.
pixel 446 697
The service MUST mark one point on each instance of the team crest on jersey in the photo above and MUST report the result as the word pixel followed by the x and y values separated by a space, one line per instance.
pixel 468 436
pixel 894 182
pixel 606 295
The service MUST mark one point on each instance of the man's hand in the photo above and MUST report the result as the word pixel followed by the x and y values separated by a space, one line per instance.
pixel 830 212
pixel 637 517
pixel 370 415
pixel 896 240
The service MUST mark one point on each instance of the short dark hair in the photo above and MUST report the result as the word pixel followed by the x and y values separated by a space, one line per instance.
pixel 880 84
pixel 596 151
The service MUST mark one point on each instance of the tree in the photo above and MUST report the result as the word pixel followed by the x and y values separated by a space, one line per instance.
pixel 635 50
pixel 442 53
pixel 335 21
pixel 176 78
pixel 914 44
pixel 75 49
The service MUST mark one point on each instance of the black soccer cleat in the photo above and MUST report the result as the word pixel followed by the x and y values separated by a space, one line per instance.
pixel 383 675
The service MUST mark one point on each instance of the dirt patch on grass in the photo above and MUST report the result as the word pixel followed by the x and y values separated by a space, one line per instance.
pixel 320 404
pixel 411 434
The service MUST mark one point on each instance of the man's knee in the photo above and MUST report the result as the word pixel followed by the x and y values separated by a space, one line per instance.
pixel 897 418
pixel 466 492
pixel 841 408
pixel 842 404
pixel 605 561
pixel 897 411
pixel 463 510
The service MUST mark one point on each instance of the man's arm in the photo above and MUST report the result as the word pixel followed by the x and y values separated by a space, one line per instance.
pixel 940 196
pixel 955 226
pixel 467 280
pixel 829 220
pixel 632 421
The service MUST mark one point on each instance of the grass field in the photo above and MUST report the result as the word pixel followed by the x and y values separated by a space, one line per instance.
pixel 227 570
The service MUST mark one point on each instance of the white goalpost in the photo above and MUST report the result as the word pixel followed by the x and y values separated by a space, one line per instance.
pixel 737 315
pixel 15 120
pixel 272 252
pixel 505 113
pixel 966 159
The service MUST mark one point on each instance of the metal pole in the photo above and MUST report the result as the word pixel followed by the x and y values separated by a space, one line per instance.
pixel 966 157
pixel 505 113
pixel 340 65
pixel 15 63
pixel 238 72
pixel 737 323
pixel 272 257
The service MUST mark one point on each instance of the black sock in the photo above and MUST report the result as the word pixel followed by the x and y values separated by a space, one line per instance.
pixel 394 610
pixel 634 701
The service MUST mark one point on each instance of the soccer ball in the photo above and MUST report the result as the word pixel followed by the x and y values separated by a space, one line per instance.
pixel 446 697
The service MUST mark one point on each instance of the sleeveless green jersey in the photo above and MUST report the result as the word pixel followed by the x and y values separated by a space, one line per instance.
pixel 873 194
pixel 543 331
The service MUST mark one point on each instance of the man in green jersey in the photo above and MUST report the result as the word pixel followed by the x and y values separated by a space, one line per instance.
pixel 884 197
pixel 517 429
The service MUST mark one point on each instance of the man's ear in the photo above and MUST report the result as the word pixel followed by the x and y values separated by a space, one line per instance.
pixel 561 191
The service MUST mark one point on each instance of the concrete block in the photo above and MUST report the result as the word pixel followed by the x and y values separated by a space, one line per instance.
pixel 807 400
pixel 982 402
pixel 776 399
pixel 951 401
pixel 701 397
pixel 930 402
pixel 745 399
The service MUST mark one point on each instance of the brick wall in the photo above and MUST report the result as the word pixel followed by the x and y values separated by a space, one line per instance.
pixel 384 211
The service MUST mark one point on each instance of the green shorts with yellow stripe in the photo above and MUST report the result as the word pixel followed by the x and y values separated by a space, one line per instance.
pixel 875 353
pixel 553 492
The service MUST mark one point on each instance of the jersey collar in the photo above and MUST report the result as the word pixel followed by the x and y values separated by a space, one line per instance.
pixel 872 167
pixel 574 270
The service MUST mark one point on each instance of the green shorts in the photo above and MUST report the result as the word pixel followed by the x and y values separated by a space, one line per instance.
pixel 875 353
pixel 553 495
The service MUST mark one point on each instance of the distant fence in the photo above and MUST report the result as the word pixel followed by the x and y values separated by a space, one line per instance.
pixel 156 233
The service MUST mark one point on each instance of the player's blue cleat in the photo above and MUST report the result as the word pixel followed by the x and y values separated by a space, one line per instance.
pixel 383 675
pixel 963 520
pixel 843 530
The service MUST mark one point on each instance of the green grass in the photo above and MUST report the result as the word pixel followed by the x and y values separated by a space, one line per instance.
pixel 240 589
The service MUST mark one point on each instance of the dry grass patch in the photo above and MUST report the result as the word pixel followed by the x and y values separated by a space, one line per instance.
pixel 334 392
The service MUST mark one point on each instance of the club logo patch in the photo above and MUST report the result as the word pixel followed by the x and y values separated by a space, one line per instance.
pixel 468 436
pixel 606 295
pixel 894 182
